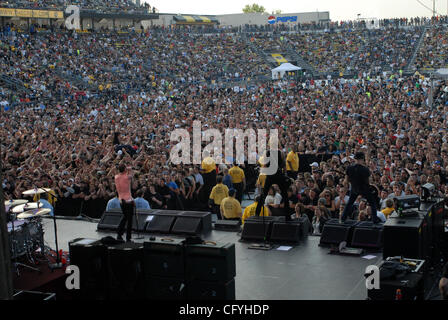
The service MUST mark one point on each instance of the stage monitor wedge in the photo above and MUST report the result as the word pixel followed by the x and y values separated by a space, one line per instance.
pixel 334 232
pixel 288 232
pixel 110 221
pixel 187 226
pixel 161 224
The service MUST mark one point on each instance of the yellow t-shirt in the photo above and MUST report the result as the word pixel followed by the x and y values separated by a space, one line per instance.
pixel 250 211
pixel 294 159
pixel 237 174
pixel 231 208
pixel 219 192
pixel 387 211
pixel 261 179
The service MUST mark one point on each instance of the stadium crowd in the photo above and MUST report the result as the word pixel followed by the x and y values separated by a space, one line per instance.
pixel 91 102
pixel 101 6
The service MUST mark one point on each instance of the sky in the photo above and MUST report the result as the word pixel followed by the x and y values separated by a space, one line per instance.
pixel 339 9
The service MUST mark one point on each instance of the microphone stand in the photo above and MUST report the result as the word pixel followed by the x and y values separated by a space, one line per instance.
pixel 57 264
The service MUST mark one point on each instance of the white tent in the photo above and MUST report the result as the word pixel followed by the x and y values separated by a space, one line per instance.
pixel 441 74
pixel 279 72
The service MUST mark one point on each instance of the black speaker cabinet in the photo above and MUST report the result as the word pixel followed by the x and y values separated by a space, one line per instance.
pixel 228 225
pixel 404 237
pixel 140 220
pixel 110 221
pixel 164 257
pixel 90 256
pixel 187 226
pixel 126 274
pixel 288 232
pixel 334 232
pixel 367 235
pixel 256 230
pixel 206 219
pixel 210 261
pixel 159 288
pixel 411 286
pixel 206 290
pixel 160 224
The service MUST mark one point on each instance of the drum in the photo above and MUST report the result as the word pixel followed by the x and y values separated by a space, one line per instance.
pixel 25 236
pixel 18 236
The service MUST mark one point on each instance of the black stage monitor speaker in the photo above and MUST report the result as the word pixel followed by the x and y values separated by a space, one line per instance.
pixel 110 221
pixel 206 219
pixel 367 235
pixel 256 231
pixel 140 221
pixel 288 232
pixel 164 257
pixel 90 256
pixel 228 225
pixel 187 226
pixel 160 224
pixel 210 261
pixel 159 288
pixel 404 237
pixel 267 220
pixel 126 275
pixel 334 232
pixel 206 290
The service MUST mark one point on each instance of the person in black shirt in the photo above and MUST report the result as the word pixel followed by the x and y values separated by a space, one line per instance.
pixel 154 198
pixel 292 201
pixel 279 178
pixel 358 176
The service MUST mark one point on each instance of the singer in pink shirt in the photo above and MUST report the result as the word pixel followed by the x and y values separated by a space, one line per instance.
pixel 123 181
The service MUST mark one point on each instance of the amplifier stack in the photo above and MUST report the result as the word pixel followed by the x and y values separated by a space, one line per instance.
pixel 159 269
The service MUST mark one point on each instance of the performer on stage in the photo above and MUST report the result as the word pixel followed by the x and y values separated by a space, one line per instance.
pixel 123 182
pixel 276 158
pixel 358 176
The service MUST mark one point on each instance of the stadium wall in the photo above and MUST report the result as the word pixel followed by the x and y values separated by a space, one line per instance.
pixel 259 19
pixel 241 19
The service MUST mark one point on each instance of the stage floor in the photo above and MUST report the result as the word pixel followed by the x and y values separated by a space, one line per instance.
pixel 306 272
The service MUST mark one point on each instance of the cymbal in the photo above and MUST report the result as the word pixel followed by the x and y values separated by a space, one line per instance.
pixel 27 206
pixel 33 213
pixel 35 191
pixel 16 202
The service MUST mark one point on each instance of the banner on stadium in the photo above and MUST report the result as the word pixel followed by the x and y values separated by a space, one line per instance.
pixel 56 14
pixel 25 13
pixel 40 14
pixel 4 12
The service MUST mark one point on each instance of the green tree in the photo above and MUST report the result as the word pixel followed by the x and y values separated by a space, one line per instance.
pixel 278 11
pixel 254 8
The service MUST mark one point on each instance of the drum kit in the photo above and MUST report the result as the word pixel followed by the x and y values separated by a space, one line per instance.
pixel 25 230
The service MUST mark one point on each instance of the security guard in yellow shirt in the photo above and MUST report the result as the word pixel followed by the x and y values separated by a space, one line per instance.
pixel 292 163
pixel 238 181
pixel 230 207
pixel 219 192
pixel 250 210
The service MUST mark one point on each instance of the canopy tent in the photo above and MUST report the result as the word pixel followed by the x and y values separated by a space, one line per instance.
pixel 441 74
pixel 280 71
